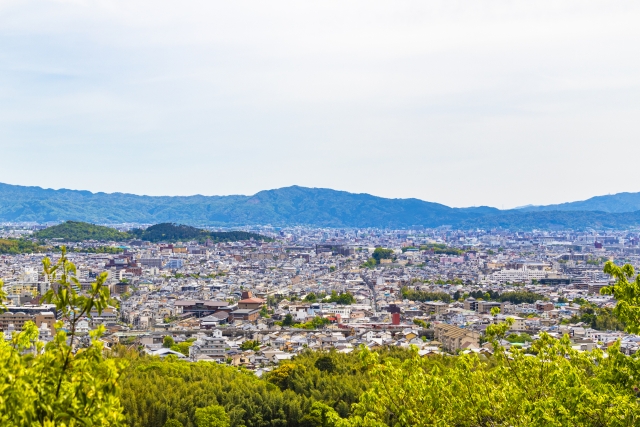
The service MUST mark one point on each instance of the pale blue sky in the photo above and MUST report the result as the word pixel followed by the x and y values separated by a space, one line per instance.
pixel 464 103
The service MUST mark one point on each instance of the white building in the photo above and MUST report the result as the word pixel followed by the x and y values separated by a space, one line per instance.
pixel 209 347
pixel 521 275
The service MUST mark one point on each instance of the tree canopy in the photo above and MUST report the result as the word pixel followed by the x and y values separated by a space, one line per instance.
pixel 62 383
pixel 381 253
pixel 169 232
pixel 19 246
pixel 74 231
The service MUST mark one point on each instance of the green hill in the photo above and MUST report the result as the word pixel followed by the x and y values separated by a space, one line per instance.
pixel 168 232
pixel 73 231
pixel 19 246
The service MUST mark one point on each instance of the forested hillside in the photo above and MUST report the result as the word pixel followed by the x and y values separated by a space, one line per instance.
pixel 19 246
pixel 393 387
pixel 74 231
pixel 168 232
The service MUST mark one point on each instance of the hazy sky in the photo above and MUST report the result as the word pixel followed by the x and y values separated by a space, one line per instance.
pixel 502 103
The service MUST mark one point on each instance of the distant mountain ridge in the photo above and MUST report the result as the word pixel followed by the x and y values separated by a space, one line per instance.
pixel 613 203
pixel 285 206
pixel 296 205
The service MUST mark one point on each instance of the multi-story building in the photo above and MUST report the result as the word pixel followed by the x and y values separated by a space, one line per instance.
pixel 453 338
pixel 209 347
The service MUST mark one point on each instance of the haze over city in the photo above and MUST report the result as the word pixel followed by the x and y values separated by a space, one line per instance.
pixel 485 103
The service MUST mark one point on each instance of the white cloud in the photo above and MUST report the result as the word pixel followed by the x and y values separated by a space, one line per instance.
pixel 463 103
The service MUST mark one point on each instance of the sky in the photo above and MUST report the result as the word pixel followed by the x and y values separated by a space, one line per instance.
pixel 499 103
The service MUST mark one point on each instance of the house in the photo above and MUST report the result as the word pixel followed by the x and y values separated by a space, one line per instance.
pixel 454 338
pixel 436 307
pixel 209 347
pixel 245 314
pixel 248 302
pixel 214 320
pixel 164 352
pixel 202 308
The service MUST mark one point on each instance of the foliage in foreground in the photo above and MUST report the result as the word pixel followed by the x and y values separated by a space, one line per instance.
pixel 558 386
pixel 156 391
pixel 60 384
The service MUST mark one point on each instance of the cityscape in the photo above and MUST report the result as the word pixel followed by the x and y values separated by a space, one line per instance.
pixel 363 213
pixel 432 288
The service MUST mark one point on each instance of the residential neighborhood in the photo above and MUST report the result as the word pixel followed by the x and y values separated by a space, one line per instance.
pixel 257 303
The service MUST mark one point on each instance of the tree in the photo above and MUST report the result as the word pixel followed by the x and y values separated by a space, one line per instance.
pixel 420 323
pixel 320 415
pixel 182 347
pixel 250 345
pixel 311 297
pixel 168 342
pixel 212 416
pixel 381 253
pixel 344 298
pixel 325 364
pixel 415 295
pixel 288 320
pixel 319 322
pixel 370 263
pixel 64 382
pixel 626 293
pixel 557 386
pixel 173 423
pixel 264 312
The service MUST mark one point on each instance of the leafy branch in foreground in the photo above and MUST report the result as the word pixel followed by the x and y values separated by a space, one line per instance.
pixel 558 386
pixel 627 294
pixel 61 383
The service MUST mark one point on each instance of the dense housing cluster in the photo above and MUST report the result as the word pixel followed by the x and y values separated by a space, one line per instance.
pixel 255 303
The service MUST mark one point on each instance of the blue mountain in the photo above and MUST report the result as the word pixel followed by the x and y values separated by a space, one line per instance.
pixel 319 207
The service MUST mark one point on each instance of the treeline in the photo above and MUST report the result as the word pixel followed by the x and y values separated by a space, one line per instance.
pixel 156 391
pixel 514 297
pixel 342 298
pixel 600 319
pixel 95 250
pixel 169 232
pixel 19 246
pixel 436 248
pixel 393 387
pixel 74 231
pixel 422 296
pixel 23 246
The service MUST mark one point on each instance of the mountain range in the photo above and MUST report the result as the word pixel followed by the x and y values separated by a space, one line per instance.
pixel 305 206
pixel 614 203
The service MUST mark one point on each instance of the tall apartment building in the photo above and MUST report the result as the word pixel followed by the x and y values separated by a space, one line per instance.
pixel 209 347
